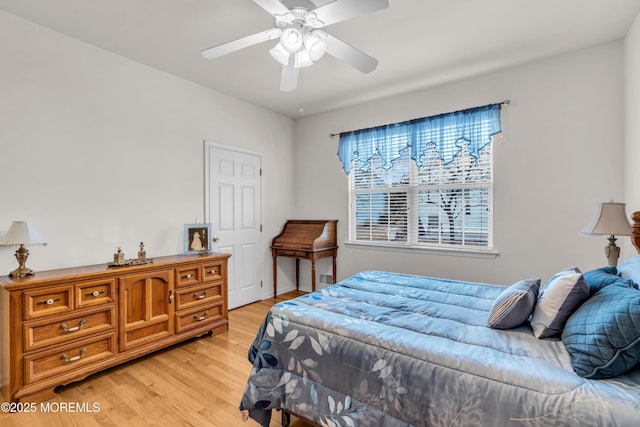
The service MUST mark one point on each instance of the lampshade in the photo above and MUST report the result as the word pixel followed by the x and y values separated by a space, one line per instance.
pixel 22 233
pixel 610 219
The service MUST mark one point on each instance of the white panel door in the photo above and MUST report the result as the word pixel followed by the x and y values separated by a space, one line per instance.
pixel 234 207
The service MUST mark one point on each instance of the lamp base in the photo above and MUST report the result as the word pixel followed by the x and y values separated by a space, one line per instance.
pixel 21 255
pixel 612 251
pixel 22 271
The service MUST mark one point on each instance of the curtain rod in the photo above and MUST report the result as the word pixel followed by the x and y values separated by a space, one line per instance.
pixel 505 102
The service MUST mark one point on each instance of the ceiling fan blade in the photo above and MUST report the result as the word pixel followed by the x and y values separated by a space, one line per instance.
pixel 274 7
pixel 349 54
pixel 289 78
pixel 341 10
pixel 232 46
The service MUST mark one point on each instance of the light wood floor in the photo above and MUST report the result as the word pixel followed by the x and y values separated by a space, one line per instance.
pixel 196 383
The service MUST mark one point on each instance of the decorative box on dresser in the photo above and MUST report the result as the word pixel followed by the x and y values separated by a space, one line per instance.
pixel 60 326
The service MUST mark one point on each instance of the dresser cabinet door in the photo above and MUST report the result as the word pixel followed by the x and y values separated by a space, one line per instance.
pixel 146 311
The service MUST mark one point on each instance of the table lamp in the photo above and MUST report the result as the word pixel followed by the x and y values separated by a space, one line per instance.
pixel 610 219
pixel 22 233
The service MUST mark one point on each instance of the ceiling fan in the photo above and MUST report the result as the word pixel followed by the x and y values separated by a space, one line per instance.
pixel 298 26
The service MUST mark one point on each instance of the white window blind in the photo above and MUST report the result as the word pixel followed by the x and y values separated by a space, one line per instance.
pixel 442 205
pixel 439 204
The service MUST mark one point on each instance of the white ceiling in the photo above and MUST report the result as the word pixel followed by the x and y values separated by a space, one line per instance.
pixel 419 43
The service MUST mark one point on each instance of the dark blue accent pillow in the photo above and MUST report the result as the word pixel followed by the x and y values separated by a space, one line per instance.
pixel 514 305
pixel 603 335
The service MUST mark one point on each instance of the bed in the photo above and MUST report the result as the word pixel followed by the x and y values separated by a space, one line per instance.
pixel 388 349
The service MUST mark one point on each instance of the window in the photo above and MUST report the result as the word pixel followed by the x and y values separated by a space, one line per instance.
pixel 412 191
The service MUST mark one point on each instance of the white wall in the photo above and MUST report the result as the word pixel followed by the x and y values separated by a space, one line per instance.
pixel 99 151
pixel 560 154
pixel 632 115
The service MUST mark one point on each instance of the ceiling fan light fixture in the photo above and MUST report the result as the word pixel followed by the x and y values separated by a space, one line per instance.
pixel 302 59
pixel 280 54
pixel 301 43
pixel 291 39
pixel 315 44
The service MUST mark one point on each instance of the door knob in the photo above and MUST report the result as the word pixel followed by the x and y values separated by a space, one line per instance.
pixel 215 239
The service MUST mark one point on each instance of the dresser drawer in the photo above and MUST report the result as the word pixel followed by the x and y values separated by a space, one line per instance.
pixel 95 293
pixel 45 302
pixel 200 316
pixel 198 295
pixel 60 329
pixel 66 359
pixel 188 276
pixel 212 271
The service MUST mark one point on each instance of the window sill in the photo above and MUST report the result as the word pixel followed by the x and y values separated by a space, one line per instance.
pixel 461 252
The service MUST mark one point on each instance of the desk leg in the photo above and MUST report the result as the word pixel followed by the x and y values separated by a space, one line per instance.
pixel 334 269
pixel 313 274
pixel 297 274
pixel 275 277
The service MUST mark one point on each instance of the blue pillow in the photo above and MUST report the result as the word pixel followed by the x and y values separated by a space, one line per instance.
pixel 600 277
pixel 514 305
pixel 630 269
pixel 603 335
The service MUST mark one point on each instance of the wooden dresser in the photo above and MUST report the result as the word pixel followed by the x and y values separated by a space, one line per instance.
pixel 60 326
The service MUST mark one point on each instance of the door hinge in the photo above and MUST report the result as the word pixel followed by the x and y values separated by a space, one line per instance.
pixel 260 171
pixel 260 283
pixel 261 228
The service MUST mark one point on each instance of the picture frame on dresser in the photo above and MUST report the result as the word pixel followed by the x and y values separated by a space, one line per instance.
pixel 197 238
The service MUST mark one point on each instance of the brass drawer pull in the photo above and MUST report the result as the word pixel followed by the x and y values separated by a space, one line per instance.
pixel 77 328
pixel 68 359
pixel 187 276
pixel 214 271
pixel 49 301
pixel 200 319
pixel 93 294
pixel 203 296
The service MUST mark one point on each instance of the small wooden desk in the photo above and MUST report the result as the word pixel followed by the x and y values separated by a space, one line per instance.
pixel 305 239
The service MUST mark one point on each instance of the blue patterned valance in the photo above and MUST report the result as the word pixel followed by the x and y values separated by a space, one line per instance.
pixel 446 132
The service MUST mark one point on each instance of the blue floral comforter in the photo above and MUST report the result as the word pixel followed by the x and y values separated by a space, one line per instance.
pixel 386 349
